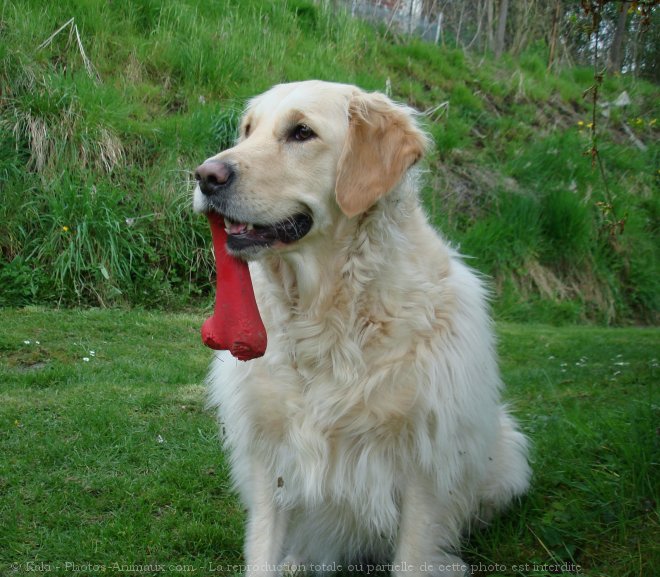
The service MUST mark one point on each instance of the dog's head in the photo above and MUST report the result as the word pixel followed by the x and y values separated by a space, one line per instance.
pixel 308 154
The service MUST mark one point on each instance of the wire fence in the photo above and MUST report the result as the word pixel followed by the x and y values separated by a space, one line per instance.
pixel 401 16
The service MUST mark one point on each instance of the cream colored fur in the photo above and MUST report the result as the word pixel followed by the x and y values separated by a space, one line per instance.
pixel 372 429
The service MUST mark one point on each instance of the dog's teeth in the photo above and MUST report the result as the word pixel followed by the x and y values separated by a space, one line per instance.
pixel 227 224
pixel 250 227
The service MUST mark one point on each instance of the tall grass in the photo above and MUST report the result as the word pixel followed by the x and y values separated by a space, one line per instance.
pixel 102 123
pixel 98 255
pixel 97 171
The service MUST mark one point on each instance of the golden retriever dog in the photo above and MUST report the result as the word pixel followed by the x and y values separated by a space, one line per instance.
pixel 372 430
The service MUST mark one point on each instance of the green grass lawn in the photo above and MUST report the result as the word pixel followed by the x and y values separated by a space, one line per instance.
pixel 109 460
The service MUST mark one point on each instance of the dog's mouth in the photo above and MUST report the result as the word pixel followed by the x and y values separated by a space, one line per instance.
pixel 243 236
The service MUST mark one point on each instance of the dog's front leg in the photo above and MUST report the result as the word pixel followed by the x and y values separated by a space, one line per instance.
pixel 427 533
pixel 266 526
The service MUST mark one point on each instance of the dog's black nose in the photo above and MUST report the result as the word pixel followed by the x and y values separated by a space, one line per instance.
pixel 214 176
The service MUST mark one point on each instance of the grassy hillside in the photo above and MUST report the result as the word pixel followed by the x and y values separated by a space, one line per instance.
pixel 102 122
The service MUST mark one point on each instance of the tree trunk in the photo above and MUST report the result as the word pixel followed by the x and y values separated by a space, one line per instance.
pixel 480 17
pixel 616 49
pixel 458 28
pixel 429 9
pixel 554 34
pixel 501 28
pixel 438 29
pixel 490 21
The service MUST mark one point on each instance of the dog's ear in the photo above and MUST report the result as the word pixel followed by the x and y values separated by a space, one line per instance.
pixel 383 142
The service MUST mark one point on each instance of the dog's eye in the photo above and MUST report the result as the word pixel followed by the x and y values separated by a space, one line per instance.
pixel 246 131
pixel 302 132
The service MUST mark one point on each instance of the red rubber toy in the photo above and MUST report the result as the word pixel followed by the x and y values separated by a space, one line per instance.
pixel 236 324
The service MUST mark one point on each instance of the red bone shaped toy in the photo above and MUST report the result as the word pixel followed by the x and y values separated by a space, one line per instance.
pixel 236 325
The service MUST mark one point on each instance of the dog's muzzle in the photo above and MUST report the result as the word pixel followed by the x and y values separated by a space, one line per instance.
pixel 215 179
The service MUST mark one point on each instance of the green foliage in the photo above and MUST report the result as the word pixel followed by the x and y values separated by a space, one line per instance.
pixel 102 123
pixel 97 243
pixel 225 127
pixel 21 283
pixel 506 238
pixel 534 62
pixel 449 135
pixel 566 224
